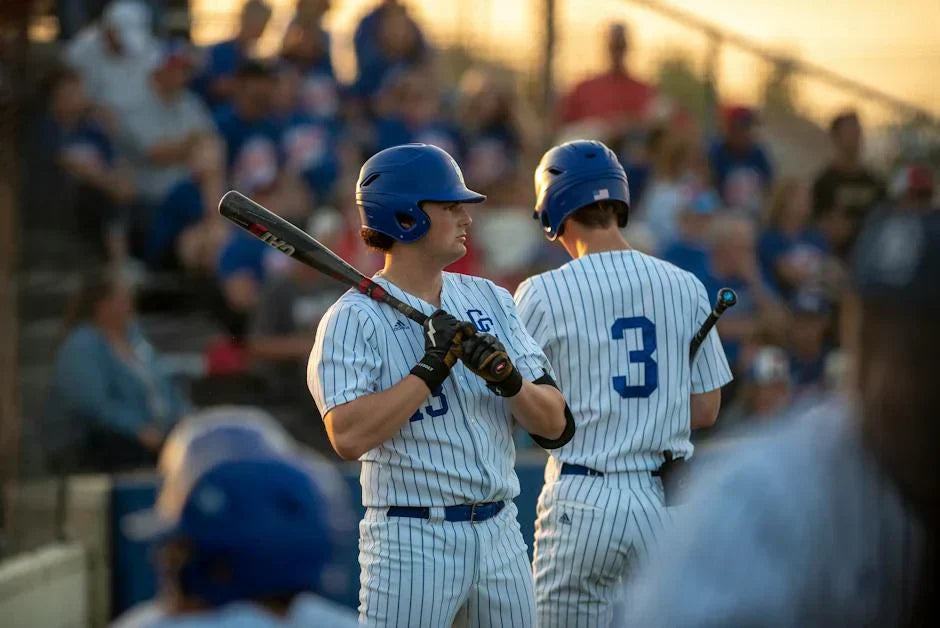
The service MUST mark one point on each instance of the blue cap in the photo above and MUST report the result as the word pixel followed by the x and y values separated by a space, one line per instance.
pixel 237 489
pixel 897 260
pixel 394 182
pixel 262 519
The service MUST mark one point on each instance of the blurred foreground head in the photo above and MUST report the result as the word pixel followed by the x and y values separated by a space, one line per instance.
pixel 894 325
pixel 242 515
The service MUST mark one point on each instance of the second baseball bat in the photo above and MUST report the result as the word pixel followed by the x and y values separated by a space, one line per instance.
pixel 726 298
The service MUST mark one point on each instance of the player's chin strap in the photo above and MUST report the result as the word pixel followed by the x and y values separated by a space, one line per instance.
pixel 567 434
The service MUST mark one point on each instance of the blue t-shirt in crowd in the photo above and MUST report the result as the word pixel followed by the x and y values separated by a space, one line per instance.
pixel 638 177
pixel 310 146
pixel 242 253
pixel 251 147
pixel 807 248
pixel 182 207
pixel 371 61
pixel 220 60
pixel 740 177
pixel 688 256
pixel 85 142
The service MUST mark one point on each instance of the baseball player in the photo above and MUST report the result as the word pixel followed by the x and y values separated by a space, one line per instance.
pixel 440 539
pixel 242 528
pixel 616 326
pixel 830 518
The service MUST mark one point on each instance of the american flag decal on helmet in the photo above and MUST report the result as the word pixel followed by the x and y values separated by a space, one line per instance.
pixel 600 195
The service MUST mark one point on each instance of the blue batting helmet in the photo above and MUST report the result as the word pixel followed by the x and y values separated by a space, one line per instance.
pixel 243 494
pixel 573 175
pixel 394 182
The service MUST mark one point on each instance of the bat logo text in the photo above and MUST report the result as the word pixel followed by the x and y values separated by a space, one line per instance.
pixel 277 243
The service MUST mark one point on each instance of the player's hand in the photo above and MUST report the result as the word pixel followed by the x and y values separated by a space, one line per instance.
pixel 442 336
pixel 478 351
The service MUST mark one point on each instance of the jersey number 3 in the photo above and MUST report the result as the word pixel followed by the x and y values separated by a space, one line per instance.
pixel 638 356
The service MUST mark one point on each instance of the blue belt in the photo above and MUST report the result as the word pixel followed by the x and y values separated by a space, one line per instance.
pixel 469 512
pixel 576 469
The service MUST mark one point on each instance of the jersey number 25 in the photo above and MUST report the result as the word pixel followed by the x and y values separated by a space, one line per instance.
pixel 638 356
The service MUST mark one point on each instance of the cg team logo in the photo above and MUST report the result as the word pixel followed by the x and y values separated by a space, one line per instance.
pixel 481 321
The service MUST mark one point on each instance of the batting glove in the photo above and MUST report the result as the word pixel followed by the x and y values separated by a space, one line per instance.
pixel 477 351
pixel 442 336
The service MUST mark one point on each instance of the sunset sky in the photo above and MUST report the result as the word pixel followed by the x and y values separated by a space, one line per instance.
pixel 893 46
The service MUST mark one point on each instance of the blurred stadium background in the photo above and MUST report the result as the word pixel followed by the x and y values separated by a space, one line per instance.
pixel 738 121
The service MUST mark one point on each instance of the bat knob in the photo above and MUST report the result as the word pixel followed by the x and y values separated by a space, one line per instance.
pixel 726 298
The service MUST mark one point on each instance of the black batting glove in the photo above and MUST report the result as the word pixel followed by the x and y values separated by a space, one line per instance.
pixel 478 351
pixel 442 336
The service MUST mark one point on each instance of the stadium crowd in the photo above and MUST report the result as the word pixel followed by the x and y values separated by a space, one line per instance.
pixel 141 133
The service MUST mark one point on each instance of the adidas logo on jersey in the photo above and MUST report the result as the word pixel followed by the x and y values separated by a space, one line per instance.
pixel 399 325
pixel 565 519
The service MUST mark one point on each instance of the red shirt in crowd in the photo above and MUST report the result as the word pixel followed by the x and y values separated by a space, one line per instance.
pixel 608 95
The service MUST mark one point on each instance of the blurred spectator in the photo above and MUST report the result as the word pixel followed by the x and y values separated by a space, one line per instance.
pixel 845 190
pixel 306 46
pixel 492 133
pixel 668 190
pixel 807 344
pixel 114 56
pixel 689 251
pixel 912 188
pixel 166 126
pixel 639 163
pixel 308 144
pixel 386 39
pixel 69 143
pixel 614 96
pixel 248 128
pixel 185 230
pixel 765 393
pixel 791 252
pixel 111 402
pixel 216 81
pixel 741 171
pixel 732 263
pixel 409 111
pixel 289 309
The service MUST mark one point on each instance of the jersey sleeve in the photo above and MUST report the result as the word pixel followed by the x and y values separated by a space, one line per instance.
pixel 523 350
pixel 710 368
pixel 532 313
pixel 344 362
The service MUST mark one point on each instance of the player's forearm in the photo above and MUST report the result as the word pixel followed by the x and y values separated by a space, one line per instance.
pixel 539 409
pixel 365 423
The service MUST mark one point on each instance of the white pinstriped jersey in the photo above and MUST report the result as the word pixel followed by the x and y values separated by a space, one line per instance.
pixel 616 327
pixel 458 448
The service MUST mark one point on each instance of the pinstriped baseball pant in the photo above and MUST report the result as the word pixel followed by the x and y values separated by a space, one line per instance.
pixel 589 534
pixel 435 573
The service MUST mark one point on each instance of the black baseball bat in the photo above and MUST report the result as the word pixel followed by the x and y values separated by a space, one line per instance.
pixel 726 298
pixel 296 243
